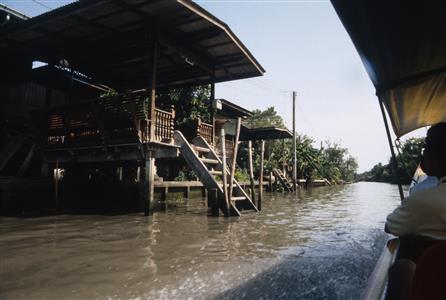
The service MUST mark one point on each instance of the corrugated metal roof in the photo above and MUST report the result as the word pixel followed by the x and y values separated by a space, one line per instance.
pixel 9 16
pixel 264 133
pixel 231 109
pixel 110 40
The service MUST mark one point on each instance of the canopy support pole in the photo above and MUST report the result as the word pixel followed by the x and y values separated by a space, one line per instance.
pixel 389 138
pixel 294 144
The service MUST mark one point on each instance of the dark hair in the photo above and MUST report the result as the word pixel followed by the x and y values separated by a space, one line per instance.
pixel 436 139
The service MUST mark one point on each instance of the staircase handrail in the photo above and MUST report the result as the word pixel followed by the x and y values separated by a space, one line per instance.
pixel 206 144
pixel 185 143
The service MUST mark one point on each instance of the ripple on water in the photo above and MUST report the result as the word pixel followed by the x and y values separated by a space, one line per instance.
pixel 321 245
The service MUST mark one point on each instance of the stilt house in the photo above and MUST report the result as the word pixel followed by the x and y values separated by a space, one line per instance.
pixel 79 83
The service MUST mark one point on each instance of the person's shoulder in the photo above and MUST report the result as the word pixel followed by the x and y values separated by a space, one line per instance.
pixel 424 195
pixel 420 194
pixel 427 183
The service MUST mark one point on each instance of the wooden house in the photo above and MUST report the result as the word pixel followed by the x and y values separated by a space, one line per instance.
pixel 55 88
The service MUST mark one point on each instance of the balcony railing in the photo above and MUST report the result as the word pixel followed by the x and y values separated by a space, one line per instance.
pixel 164 125
pixel 123 118
pixel 205 130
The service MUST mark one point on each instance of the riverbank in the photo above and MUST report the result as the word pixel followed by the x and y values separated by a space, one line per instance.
pixel 322 245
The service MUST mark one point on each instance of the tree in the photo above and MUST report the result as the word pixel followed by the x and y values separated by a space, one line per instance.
pixel 266 118
pixel 331 162
pixel 190 104
pixel 408 159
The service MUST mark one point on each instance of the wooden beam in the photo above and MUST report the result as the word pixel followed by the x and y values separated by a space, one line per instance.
pixel 26 161
pixel 251 171
pixel 154 51
pixel 234 156
pixel 212 108
pixel 262 155
pixel 229 58
pixel 205 33
pixel 179 44
pixel 61 13
pixel 224 174
pixel 95 154
pixel 193 55
pixel 93 24
pixel 218 45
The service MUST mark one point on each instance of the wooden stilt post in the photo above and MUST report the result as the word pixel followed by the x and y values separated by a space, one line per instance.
pixel 187 192
pixel 147 182
pixel 213 201
pixel 224 175
pixel 44 170
pixel 262 154
pixel 212 108
pixel 144 186
pixel 234 156
pixel 153 74
pixel 138 173
pixel 119 173
pixel 251 171
pixel 164 193
pixel 56 184
pixel 151 179
pixel 270 182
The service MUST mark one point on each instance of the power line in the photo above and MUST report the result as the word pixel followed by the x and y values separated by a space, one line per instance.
pixel 42 4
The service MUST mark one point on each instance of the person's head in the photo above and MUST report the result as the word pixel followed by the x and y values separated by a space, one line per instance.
pixel 433 161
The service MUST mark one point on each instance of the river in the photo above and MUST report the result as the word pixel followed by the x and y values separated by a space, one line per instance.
pixel 322 244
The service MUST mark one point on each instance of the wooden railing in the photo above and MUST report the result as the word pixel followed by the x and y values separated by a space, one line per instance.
pixel 117 119
pixel 206 131
pixel 164 125
pixel 229 147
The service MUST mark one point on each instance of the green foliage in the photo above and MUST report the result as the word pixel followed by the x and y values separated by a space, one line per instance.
pixel 186 175
pixel 330 161
pixel 266 118
pixel 190 104
pixel 241 175
pixel 336 164
pixel 109 93
pixel 408 158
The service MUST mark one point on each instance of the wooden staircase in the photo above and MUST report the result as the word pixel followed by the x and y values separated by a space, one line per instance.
pixel 287 184
pixel 203 159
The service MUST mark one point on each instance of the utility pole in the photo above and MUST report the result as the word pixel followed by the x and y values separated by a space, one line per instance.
pixel 294 143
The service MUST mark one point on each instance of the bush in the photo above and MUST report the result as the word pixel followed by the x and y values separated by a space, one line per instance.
pixel 186 175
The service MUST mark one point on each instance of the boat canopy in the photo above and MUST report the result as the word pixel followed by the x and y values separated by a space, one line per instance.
pixel 402 45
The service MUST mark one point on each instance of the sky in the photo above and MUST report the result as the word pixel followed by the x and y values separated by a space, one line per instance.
pixel 304 48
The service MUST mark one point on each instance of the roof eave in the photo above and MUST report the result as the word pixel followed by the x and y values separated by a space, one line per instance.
pixel 206 15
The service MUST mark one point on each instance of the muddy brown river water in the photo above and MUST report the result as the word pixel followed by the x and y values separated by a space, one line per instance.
pixel 321 244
